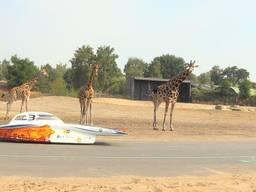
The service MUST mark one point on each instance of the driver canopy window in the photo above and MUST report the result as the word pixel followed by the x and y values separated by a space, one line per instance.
pixel 21 117
pixel 46 117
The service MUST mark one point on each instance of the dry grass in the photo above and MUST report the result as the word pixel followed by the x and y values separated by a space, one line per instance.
pixel 191 121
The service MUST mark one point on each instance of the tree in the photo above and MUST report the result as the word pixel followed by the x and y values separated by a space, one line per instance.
pixel 235 75
pixel 60 70
pixel 58 87
pixel 4 69
pixel 204 78
pixel 20 71
pixel 241 75
pixel 80 66
pixel 166 66
pixel 44 83
pixel 135 67
pixel 109 75
pixel 154 69
pixel 244 89
pixel 225 88
pixel 68 78
pixel 193 78
pixel 216 75
pixel 171 65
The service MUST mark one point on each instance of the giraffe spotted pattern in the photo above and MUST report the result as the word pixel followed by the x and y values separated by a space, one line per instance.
pixel 21 92
pixel 169 93
pixel 85 95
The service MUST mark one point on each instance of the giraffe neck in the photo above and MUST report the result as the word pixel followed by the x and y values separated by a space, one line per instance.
pixel 92 75
pixel 177 80
pixel 33 81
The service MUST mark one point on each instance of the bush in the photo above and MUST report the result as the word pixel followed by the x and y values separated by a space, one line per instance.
pixel 72 93
pixel 205 95
pixel 252 101
pixel 58 87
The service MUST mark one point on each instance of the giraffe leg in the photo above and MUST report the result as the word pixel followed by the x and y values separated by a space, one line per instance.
pixel 22 103
pixel 86 110
pixel 80 120
pixel 85 114
pixel 171 112
pixel 156 105
pixel 81 111
pixel 8 107
pixel 26 104
pixel 165 112
pixel 90 108
pixel 26 99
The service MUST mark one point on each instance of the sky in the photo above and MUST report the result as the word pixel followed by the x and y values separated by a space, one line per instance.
pixel 212 32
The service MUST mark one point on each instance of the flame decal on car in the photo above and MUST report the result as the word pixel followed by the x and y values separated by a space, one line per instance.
pixel 30 133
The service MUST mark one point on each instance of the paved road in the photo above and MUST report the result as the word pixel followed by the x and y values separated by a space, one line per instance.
pixel 147 158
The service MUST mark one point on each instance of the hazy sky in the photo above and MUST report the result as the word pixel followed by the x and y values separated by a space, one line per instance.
pixel 212 32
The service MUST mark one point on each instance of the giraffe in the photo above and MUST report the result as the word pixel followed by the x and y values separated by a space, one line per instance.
pixel 169 93
pixel 85 95
pixel 21 92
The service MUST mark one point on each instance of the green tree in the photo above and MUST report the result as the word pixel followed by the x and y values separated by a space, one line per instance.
pixel 235 75
pixel 44 83
pixel 109 75
pixel 154 69
pixel 135 67
pixel 58 87
pixel 20 71
pixel 80 66
pixel 193 78
pixel 241 75
pixel 244 89
pixel 1 72
pixel 4 69
pixel 68 78
pixel 225 88
pixel 216 75
pixel 204 78
pixel 166 66
pixel 60 70
pixel 171 65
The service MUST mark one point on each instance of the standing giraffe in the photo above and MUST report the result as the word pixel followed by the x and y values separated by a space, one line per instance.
pixel 22 92
pixel 85 95
pixel 169 93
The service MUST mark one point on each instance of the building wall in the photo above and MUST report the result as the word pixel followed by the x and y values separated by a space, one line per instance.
pixel 139 89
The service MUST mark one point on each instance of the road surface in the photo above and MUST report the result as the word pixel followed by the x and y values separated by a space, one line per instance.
pixel 141 158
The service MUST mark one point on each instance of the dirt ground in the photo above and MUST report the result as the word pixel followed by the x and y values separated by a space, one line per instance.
pixel 191 122
pixel 216 183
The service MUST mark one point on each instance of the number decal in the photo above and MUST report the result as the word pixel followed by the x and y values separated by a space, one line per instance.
pixel 31 117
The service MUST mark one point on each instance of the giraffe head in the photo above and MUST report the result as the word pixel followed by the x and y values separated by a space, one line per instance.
pixel 190 66
pixel 43 72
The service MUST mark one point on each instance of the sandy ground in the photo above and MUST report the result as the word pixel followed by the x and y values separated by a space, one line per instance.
pixel 216 183
pixel 191 121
